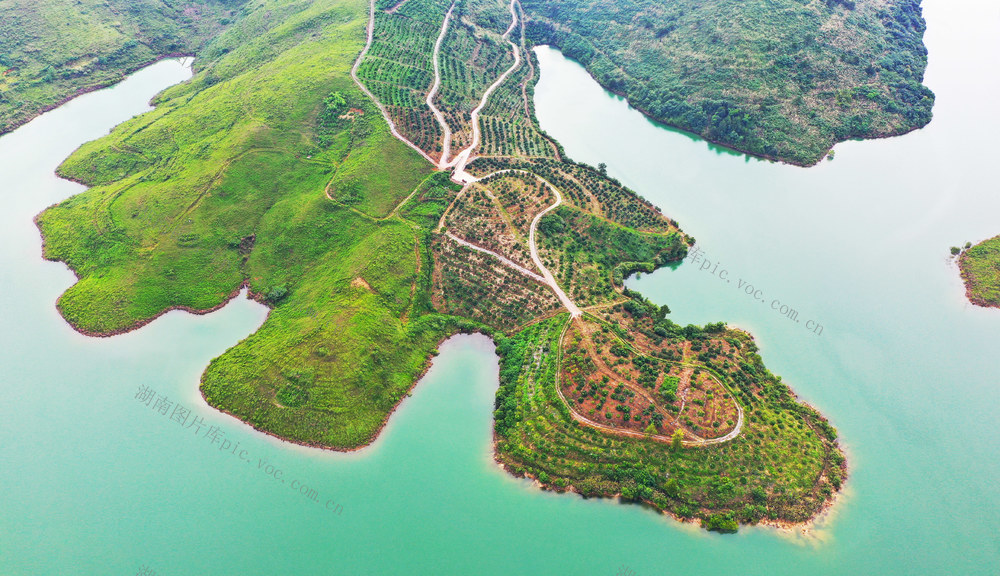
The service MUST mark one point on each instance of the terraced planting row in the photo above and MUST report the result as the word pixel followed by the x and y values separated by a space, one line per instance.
pixel 782 466
pixel 476 217
pixel 588 189
pixel 471 284
pixel 471 59
pixel 398 69
pixel 491 16
pixel 605 381
pixel 522 196
pixel 590 256
pixel 504 136
pixel 419 125
pixel 508 120
pixel 427 11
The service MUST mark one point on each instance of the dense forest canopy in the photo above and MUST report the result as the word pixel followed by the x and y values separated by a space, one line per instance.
pixel 782 79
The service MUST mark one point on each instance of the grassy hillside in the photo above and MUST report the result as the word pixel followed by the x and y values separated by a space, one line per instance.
pixel 980 267
pixel 224 184
pixel 52 49
pixel 782 79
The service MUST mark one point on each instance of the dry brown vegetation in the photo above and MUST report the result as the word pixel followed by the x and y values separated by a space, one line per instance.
pixel 607 382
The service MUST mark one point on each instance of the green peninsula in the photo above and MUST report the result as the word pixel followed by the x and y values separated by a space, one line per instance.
pixel 374 173
pixel 980 269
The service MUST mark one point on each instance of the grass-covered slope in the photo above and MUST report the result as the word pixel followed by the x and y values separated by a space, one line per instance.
pixel 980 268
pixel 51 50
pixel 224 184
pixel 781 79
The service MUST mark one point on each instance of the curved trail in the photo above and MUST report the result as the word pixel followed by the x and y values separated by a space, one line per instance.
pixel 446 143
pixel 381 108
pixel 698 441
pixel 462 159
pixel 507 261
pixel 547 276
pixel 574 310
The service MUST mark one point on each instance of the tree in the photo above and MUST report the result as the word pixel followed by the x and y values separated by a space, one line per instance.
pixel 724 523
pixel 335 102
pixel 650 429
pixel 676 439
pixel 603 169
pixel 672 488
pixel 277 294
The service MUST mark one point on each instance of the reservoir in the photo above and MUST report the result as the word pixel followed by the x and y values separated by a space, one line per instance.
pixel 94 482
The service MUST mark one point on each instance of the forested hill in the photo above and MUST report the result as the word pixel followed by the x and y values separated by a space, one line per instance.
pixel 781 79
pixel 51 50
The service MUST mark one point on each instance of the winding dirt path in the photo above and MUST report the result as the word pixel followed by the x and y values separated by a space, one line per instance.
pixel 459 174
pixel 547 276
pixel 698 440
pixel 446 142
pixel 507 261
pixel 462 159
pixel 532 245
pixel 574 310
pixel 381 108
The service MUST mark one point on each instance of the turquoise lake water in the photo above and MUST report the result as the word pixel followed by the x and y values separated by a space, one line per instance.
pixel 93 482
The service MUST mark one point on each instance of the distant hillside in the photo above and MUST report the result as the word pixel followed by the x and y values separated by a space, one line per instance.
pixel 781 79
pixel 51 50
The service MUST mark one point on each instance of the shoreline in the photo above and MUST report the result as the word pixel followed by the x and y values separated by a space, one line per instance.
pixel 376 433
pixel 966 275
pixel 804 527
pixel 140 323
pixel 259 298
pixel 251 295
pixel 125 73
pixel 730 147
